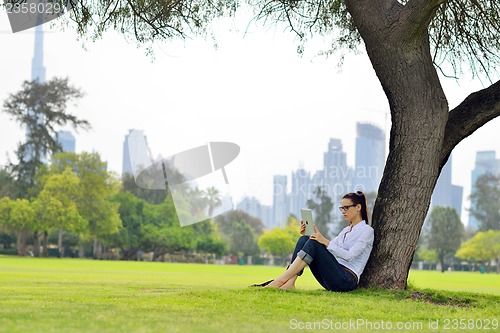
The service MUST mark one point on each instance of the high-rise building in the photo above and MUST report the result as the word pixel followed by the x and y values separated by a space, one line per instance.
pixel 37 74
pixel 37 68
pixel 266 215
pixel 280 201
pixel 486 162
pixel 253 207
pixel 337 176
pixel 370 157
pixel 67 141
pixel 301 191
pixel 446 194
pixel 126 163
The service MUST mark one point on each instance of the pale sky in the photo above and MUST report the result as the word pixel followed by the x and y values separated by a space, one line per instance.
pixel 253 90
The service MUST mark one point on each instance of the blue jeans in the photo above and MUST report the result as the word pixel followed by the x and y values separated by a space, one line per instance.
pixel 325 268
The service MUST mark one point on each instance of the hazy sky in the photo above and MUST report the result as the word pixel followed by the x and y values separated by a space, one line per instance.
pixel 253 90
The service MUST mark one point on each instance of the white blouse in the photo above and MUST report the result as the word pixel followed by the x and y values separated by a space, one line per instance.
pixel 352 247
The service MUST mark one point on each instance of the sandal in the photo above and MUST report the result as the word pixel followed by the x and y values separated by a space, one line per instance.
pixel 262 284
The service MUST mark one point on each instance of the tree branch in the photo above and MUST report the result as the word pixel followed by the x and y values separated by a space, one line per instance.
pixel 475 111
pixel 418 14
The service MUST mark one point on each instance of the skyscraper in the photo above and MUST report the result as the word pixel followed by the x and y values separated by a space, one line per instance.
pixel 37 67
pixel 301 191
pixel 126 163
pixel 370 157
pixel 445 194
pixel 280 201
pixel 37 74
pixel 486 162
pixel 253 207
pixel 337 176
pixel 67 141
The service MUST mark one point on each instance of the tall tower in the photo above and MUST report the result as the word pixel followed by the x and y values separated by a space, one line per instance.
pixel 446 194
pixel 370 157
pixel 280 201
pixel 337 176
pixel 37 74
pixel 37 68
pixel 67 141
pixel 301 191
pixel 486 162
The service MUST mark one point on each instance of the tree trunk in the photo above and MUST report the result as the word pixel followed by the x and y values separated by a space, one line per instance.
pixel 419 112
pixel 59 243
pixel 97 249
pixel 36 244
pixel 22 239
pixel 44 244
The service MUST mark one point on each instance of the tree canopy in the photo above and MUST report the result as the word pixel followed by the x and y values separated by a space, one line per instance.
pixel 40 108
pixel 461 32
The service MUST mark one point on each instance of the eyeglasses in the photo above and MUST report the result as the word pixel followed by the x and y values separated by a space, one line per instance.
pixel 345 208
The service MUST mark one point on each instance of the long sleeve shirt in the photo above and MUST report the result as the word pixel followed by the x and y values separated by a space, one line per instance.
pixel 352 247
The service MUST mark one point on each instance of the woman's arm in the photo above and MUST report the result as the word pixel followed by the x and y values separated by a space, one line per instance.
pixel 365 239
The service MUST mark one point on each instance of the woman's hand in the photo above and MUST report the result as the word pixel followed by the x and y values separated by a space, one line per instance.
pixel 318 237
pixel 302 227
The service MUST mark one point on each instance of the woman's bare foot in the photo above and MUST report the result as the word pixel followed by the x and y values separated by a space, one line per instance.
pixel 289 285
pixel 276 284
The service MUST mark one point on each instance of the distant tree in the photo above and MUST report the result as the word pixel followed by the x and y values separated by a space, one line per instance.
pixel 151 196
pixel 243 239
pixel 446 232
pixel 483 247
pixel 278 242
pixel 132 212
pixel 322 208
pixel 56 207
pixel 40 108
pixel 21 219
pixel 208 239
pixel 6 231
pixel 97 187
pixel 212 195
pixel 7 185
pixel 240 231
pixel 485 202
pixel 225 222
pixel 427 255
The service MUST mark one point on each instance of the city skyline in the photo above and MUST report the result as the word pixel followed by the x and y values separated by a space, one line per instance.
pixel 244 92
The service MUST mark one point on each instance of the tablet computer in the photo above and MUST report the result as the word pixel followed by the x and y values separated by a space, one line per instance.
pixel 307 218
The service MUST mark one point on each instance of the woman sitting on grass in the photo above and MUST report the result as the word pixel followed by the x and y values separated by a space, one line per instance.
pixel 336 264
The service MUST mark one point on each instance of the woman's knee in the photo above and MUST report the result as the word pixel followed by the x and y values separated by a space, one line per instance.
pixel 302 240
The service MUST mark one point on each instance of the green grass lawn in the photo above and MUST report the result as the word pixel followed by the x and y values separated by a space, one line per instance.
pixel 54 295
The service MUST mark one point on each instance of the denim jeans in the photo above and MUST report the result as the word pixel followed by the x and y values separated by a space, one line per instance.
pixel 325 268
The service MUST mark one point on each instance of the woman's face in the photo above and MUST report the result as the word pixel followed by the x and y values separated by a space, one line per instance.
pixel 350 211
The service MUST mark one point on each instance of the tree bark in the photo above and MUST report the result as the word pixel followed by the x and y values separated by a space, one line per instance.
pixel 36 244
pixel 59 243
pixel 44 243
pixel 97 249
pixel 22 238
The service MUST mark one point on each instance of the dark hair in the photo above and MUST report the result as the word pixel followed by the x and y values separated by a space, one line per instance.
pixel 358 198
